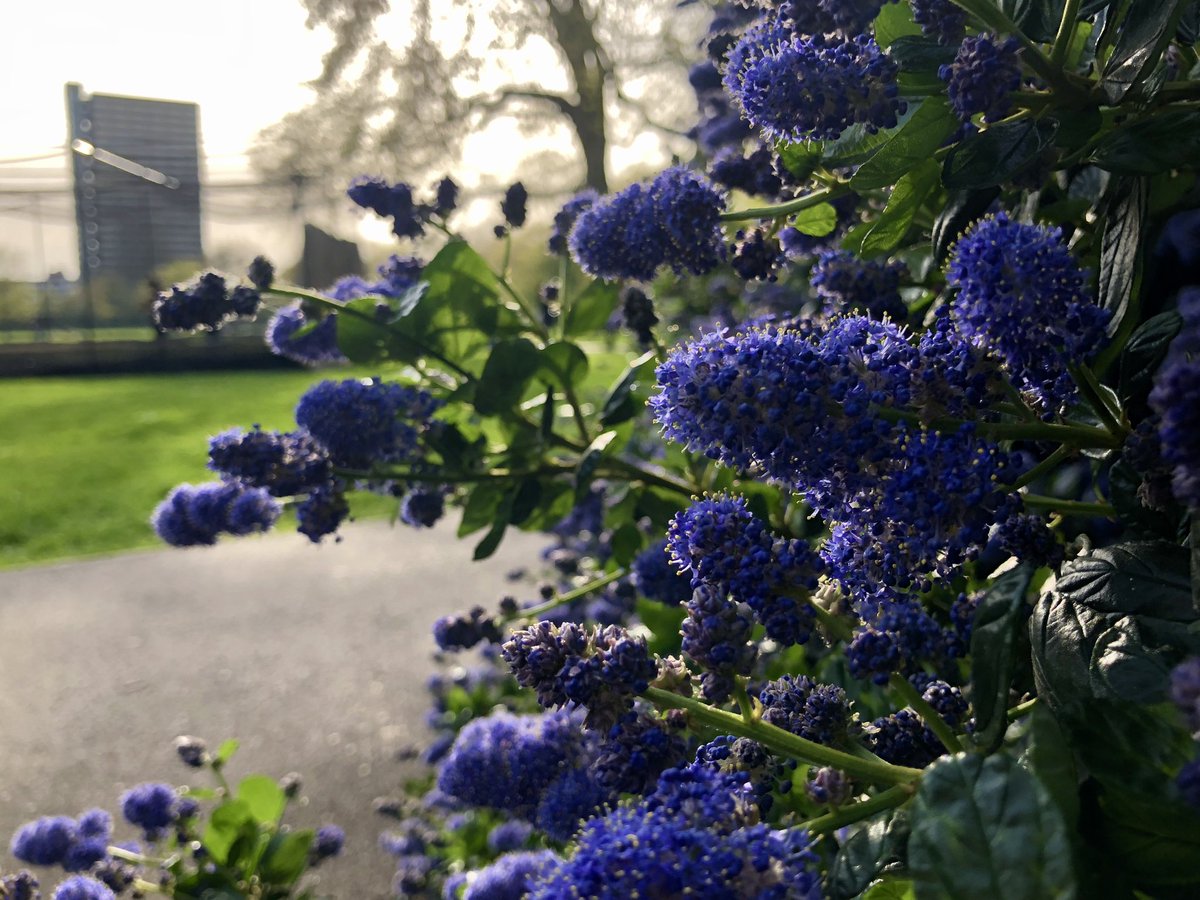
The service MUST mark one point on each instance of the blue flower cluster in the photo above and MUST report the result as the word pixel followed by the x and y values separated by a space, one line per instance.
pixel 635 753
pixel 364 422
pixel 327 843
pixel 847 283
pixel 674 220
pixel 513 206
pixel 1021 295
pixel 508 878
pixel 316 346
pixel 692 837
pixel 815 712
pixel 397 202
pixel 195 515
pixel 152 806
pixel 81 887
pixel 282 463
pixel 602 669
pixel 658 579
pixel 76 845
pixel 983 75
pixel 797 88
pixel 716 635
pixel 943 20
pixel 824 16
pixel 1174 398
pixel 753 173
pixel 724 545
pixel 207 304
pixel 564 220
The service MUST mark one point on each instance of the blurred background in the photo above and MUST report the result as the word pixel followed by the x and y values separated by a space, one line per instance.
pixel 143 141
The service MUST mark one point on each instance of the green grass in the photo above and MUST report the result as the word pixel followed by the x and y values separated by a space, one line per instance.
pixel 85 460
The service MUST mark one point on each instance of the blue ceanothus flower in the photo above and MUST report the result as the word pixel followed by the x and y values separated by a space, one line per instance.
pixel 797 87
pixel 983 75
pixel 672 221
pixel 943 20
pixel 694 836
pixel 206 304
pixel 196 515
pixel 1174 398
pixel 815 712
pixel 1021 296
pixel 80 887
pixel 509 877
pixel 848 283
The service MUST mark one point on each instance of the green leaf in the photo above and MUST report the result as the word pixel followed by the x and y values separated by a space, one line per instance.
pixel 491 541
pixel 1143 38
pixel 914 54
pixel 626 542
pixel 1154 842
pixel 907 197
pixel 628 394
pixel 506 374
pixel 864 854
pixel 286 858
pixel 995 156
pixel 592 308
pixel 1169 140
pixel 480 508
pixel 910 146
pixel 1123 212
pixel 1143 354
pixel 225 752
pixel 229 821
pixel 962 208
pixel 993 653
pixel 816 221
pixel 801 158
pixel 986 828
pixel 1049 756
pixel 264 798
pixel 565 364
pixel 891 890
pixel 664 623
pixel 894 21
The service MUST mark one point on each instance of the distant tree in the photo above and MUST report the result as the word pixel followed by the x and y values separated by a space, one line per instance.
pixel 406 108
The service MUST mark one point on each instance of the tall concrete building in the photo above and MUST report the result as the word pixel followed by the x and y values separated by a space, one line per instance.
pixel 136 167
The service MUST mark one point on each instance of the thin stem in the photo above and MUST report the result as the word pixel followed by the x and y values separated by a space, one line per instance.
pixel 1022 709
pixel 750 714
pixel 1046 465
pixel 534 316
pixel 534 612
pixel 507 254
pixel 576 411
pixel 342 309
pixel 909 694
pixel 856 812
pixel 383 473
pixel 639 472
pixel 1075 435
pixel 130 856
pixel 147 887
pixel 784 209
pixel 784 742
pixel 1070 507
pixel 1066 31
pixel 1090 387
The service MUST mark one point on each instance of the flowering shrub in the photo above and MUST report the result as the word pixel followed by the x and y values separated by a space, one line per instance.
pixel 874 573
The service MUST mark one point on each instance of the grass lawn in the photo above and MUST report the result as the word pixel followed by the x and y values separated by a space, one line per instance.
pixel 85 460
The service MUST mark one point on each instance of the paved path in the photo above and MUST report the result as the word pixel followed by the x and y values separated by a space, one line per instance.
pixel 315 657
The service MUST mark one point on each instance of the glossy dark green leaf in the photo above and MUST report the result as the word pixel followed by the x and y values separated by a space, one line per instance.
pixel 592 308
pixel 998 618
pixel 1048 754
pixel 908 196
pixel 285 858
pixel 894 21
pixel 921 54
pixel 627 396
pixel 491 541
pixel 857 143
pixel 1154 841
pixel 1143 354
pixel 506 374
pixel 1145 32
pixel 961 209
pixel 984 828
pixel 995 156
pixel 910 146
pixel 800 159
pixel 1169 140
pixel 1123 212
pixel 480 508
pixel 526 499
pixel 816 221
pixel 862 856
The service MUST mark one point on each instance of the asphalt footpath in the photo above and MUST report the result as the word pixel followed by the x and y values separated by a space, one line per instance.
pixel 315 658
